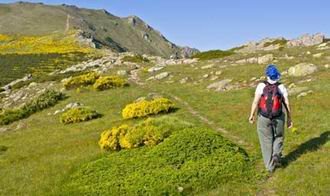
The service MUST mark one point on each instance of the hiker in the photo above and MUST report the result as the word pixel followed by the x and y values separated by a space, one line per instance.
pixel 270 97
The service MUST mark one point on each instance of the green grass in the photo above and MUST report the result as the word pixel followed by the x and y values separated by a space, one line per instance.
pixel 212 54
pixel 44 156
pixel 195 159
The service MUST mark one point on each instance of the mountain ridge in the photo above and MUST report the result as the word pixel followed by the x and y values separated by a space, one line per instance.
pixel 104 29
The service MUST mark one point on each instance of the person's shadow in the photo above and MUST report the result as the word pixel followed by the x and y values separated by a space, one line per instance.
pixel 308 146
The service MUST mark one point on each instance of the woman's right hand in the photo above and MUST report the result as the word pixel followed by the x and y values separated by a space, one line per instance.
pixel 251 119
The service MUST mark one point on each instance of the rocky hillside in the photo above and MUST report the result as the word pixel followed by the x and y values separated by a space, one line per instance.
pixel 99 28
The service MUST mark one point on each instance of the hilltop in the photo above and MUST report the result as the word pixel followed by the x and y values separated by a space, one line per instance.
pixel 97 28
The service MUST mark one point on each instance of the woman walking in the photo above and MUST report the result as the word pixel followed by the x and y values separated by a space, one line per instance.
pixel 270 97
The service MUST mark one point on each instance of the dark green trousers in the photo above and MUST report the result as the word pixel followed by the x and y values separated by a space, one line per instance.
pixel 271 137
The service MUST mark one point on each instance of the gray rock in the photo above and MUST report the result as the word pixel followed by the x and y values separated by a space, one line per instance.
pixel 302 69
pixel 122 72
pixel 214 78
pixel 265 59
pixel 206 75
pixel 318 55
pixel 297 90
pixel 220 85
pixel 218 73
pixel 307 40
pixel 162 75
pixel 303 94
pixel 208 66
pixel 156 68
pixel 185 80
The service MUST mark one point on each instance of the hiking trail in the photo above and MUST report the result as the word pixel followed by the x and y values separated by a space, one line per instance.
pixel 134 77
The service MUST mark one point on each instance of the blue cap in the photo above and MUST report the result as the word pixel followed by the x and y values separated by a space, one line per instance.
pixel 272 72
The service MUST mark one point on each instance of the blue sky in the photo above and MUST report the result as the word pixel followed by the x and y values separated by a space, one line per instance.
pixel 219 24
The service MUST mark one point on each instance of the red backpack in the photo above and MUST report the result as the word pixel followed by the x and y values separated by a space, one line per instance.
pixel 270 104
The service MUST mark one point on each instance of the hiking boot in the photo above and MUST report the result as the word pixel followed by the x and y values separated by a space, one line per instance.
pixel 277 161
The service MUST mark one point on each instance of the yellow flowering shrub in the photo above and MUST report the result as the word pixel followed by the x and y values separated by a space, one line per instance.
pixel 81 80
pixel 52 43
pixel 107 82
pixel 145 108
pixel 150 132
pixel 80 114
pixel 4 37
pixel 110 139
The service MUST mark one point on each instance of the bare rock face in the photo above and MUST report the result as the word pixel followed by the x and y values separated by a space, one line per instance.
pixel 302 69
pixel 307 40
pixel 187 52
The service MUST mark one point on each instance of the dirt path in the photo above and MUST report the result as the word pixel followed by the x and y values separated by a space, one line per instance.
pixel 134 77
pixel 67 25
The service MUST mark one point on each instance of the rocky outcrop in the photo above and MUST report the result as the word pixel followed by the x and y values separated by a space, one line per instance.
pixel 307 40
pixel 302 69
pixel 187 52
pixel 266 44
pixel 8 87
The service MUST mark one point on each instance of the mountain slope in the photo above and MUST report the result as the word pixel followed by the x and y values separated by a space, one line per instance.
pixel 105 30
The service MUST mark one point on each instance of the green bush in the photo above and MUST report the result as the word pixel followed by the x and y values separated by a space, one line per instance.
pixel 136 59
pixel 80 114
pixel 81 80
pixel 149 132
pixel 213 54
pixel 188 162
pixel 145 108
pixel 45 100
pixel 107 82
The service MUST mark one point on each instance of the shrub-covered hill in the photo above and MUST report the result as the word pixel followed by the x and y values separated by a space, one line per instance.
pixel 190 161
pixel 101 28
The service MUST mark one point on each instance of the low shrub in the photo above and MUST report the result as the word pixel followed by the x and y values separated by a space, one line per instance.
pixel 107 82
pixel 45 100
pixel 136 59
pixel 188 162
pixel 81 80
pixel 79 114
pixel 149 132
pixel 145 108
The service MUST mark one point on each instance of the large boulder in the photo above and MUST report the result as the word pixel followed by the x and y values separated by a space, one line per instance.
pixel 302 69
pixel 307 40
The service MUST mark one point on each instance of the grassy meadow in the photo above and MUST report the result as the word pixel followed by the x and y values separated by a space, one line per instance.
pixel 42 156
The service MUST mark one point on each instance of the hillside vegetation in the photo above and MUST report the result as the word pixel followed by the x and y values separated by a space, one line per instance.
pixel 104 29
